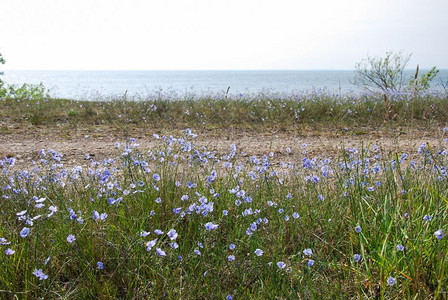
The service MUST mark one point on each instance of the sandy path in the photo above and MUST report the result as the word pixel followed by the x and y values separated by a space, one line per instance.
pixel 25 145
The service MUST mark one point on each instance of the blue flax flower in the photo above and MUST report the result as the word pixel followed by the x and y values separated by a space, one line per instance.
pixel 391 281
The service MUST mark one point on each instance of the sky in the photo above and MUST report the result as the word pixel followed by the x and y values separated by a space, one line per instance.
pixel 219 34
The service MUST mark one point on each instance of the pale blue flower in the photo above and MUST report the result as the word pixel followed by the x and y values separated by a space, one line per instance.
pixel 39 274
pixel 9 251
pixel 71 238
pixel 439 234
pixel 357 257
pixel 232 246
pixel 211 226
pixel 281 265
pixel 144 233
pixel 258 252
pixel 310 263
pixel 172 234
pixel 150 244
pixel 358 229
pixel 100 265
pixel 160 252
pixel 231 258
pixel 391 281
pixel 4 241
pixel 308 252
pixel 24 232
pixel 400 247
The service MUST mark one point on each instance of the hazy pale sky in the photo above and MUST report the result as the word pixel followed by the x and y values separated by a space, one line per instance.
pixel 219 34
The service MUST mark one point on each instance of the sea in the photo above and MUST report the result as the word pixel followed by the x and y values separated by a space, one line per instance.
pixel 97 85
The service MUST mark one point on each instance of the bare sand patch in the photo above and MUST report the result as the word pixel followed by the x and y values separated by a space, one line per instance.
pixel 25 143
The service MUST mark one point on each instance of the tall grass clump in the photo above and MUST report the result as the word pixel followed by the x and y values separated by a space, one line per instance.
pixel 263 110
pixel 184 222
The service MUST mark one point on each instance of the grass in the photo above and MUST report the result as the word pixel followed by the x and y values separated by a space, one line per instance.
pixel 374 222
pixel 275 111
pixel 316 203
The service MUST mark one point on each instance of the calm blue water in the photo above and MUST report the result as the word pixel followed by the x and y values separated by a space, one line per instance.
pixel 140 84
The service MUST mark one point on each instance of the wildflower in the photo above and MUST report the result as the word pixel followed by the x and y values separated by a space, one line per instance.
pixel 71 238
pixel 156 177
pixel 310 263
pixel 295 215
pixel 439 234
pixel 258 252
pixel 4 241
pixel 160 252
pixel 308 252
pixel 158 231
pixel 211 226
pixel 144 233
pixel 100 265
pixel 24 232
pixel 391 281
pixel 357 257
pixel 400 247
pixel 39 274
pixel 172 234
pixel 198 253
pixel 229 297
pixel 52 210
pixel 231 258
pixel 21 213
pixel 232 246
pixel 358 229
pixel 174 245
pixel 281 265
pixel 150 244
pixel 9 251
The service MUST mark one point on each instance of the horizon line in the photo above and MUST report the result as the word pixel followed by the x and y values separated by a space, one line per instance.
pixel 198 70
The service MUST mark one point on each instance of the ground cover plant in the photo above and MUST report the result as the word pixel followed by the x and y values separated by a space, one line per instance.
pixel 282 112
pixel 184 222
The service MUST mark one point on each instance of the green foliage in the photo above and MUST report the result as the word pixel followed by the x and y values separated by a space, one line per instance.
pixel 385 74
pixel 2 62
pixel 424 82
pixel 24 92
pixel 27 92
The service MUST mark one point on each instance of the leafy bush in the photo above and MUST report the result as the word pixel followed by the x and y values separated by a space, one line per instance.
pixel 24 92
pixel 387 74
